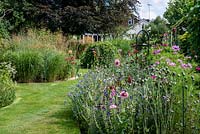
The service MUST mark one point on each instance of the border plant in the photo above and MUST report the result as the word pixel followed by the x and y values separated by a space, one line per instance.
pixel 7 86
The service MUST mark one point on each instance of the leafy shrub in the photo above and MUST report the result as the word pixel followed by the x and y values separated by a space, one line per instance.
pixel 122 45
pixel 126 98
pixel 99 54
pixel 7 88
pixel 3 29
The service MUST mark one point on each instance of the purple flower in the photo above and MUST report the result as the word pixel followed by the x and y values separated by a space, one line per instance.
pixel 157 51
pixel 172 64
pixel 186 65
pixel 175 48
pixel 113 93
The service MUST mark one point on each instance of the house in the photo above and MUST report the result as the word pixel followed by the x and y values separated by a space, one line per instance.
pixel 135 28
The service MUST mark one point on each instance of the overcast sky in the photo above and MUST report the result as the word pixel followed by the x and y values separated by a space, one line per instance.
pixel 157 8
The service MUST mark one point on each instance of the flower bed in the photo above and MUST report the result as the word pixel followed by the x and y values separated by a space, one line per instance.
pixel 128 98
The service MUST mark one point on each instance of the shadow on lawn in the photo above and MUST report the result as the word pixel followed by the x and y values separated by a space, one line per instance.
pixel 64 118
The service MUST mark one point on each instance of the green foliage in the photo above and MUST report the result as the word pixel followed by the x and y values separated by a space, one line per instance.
pixel 124 46
pixel 99 54
pixel 194 28
pixel 184 42
pixel 7 87
pixel 185 16
pixel 176 10
pixel 158 28
pixel 3 30
pixel 77 16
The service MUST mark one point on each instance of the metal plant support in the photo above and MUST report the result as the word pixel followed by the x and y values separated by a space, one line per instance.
pixel 142 44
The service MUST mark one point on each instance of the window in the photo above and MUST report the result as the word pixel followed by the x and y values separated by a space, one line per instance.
pixel 130 22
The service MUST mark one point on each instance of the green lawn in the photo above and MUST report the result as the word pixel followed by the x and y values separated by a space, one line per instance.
pixel 40 108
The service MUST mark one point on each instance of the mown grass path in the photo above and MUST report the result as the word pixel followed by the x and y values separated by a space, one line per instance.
pixel 39 108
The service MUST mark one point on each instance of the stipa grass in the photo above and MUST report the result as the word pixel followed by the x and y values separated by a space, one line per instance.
pixel 39 56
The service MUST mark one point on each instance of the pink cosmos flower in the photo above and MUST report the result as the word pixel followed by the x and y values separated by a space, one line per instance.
pixel 113 106
pixel 124 94
pixel 198 68
pixel 153 77
pixel 117 62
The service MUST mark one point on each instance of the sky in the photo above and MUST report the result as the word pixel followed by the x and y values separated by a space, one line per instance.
pixel 157 8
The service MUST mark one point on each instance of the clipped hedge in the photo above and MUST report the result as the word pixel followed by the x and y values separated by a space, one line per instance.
pixel 99 54
pixel 7 88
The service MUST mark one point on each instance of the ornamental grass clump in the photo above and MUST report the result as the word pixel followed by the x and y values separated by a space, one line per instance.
pixel 128 98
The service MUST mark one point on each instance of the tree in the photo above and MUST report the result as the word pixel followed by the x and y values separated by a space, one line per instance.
pixel 185 15
pixel 71 16
pixel 158 28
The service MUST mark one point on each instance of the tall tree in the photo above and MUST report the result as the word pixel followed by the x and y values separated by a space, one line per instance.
pixel 158 28
pixel 71 16
pixel 185 15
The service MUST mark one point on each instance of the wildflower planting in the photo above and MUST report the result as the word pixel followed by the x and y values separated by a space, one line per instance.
pixel 128 97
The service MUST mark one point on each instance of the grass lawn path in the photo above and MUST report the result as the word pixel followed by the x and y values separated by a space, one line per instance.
pixel 39 108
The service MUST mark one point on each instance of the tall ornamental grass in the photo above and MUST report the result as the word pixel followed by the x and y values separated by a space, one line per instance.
pixel 39 55
pixel 26 62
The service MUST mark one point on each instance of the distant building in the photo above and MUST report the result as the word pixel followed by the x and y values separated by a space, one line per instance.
pixel 91 38
pixel 136 27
